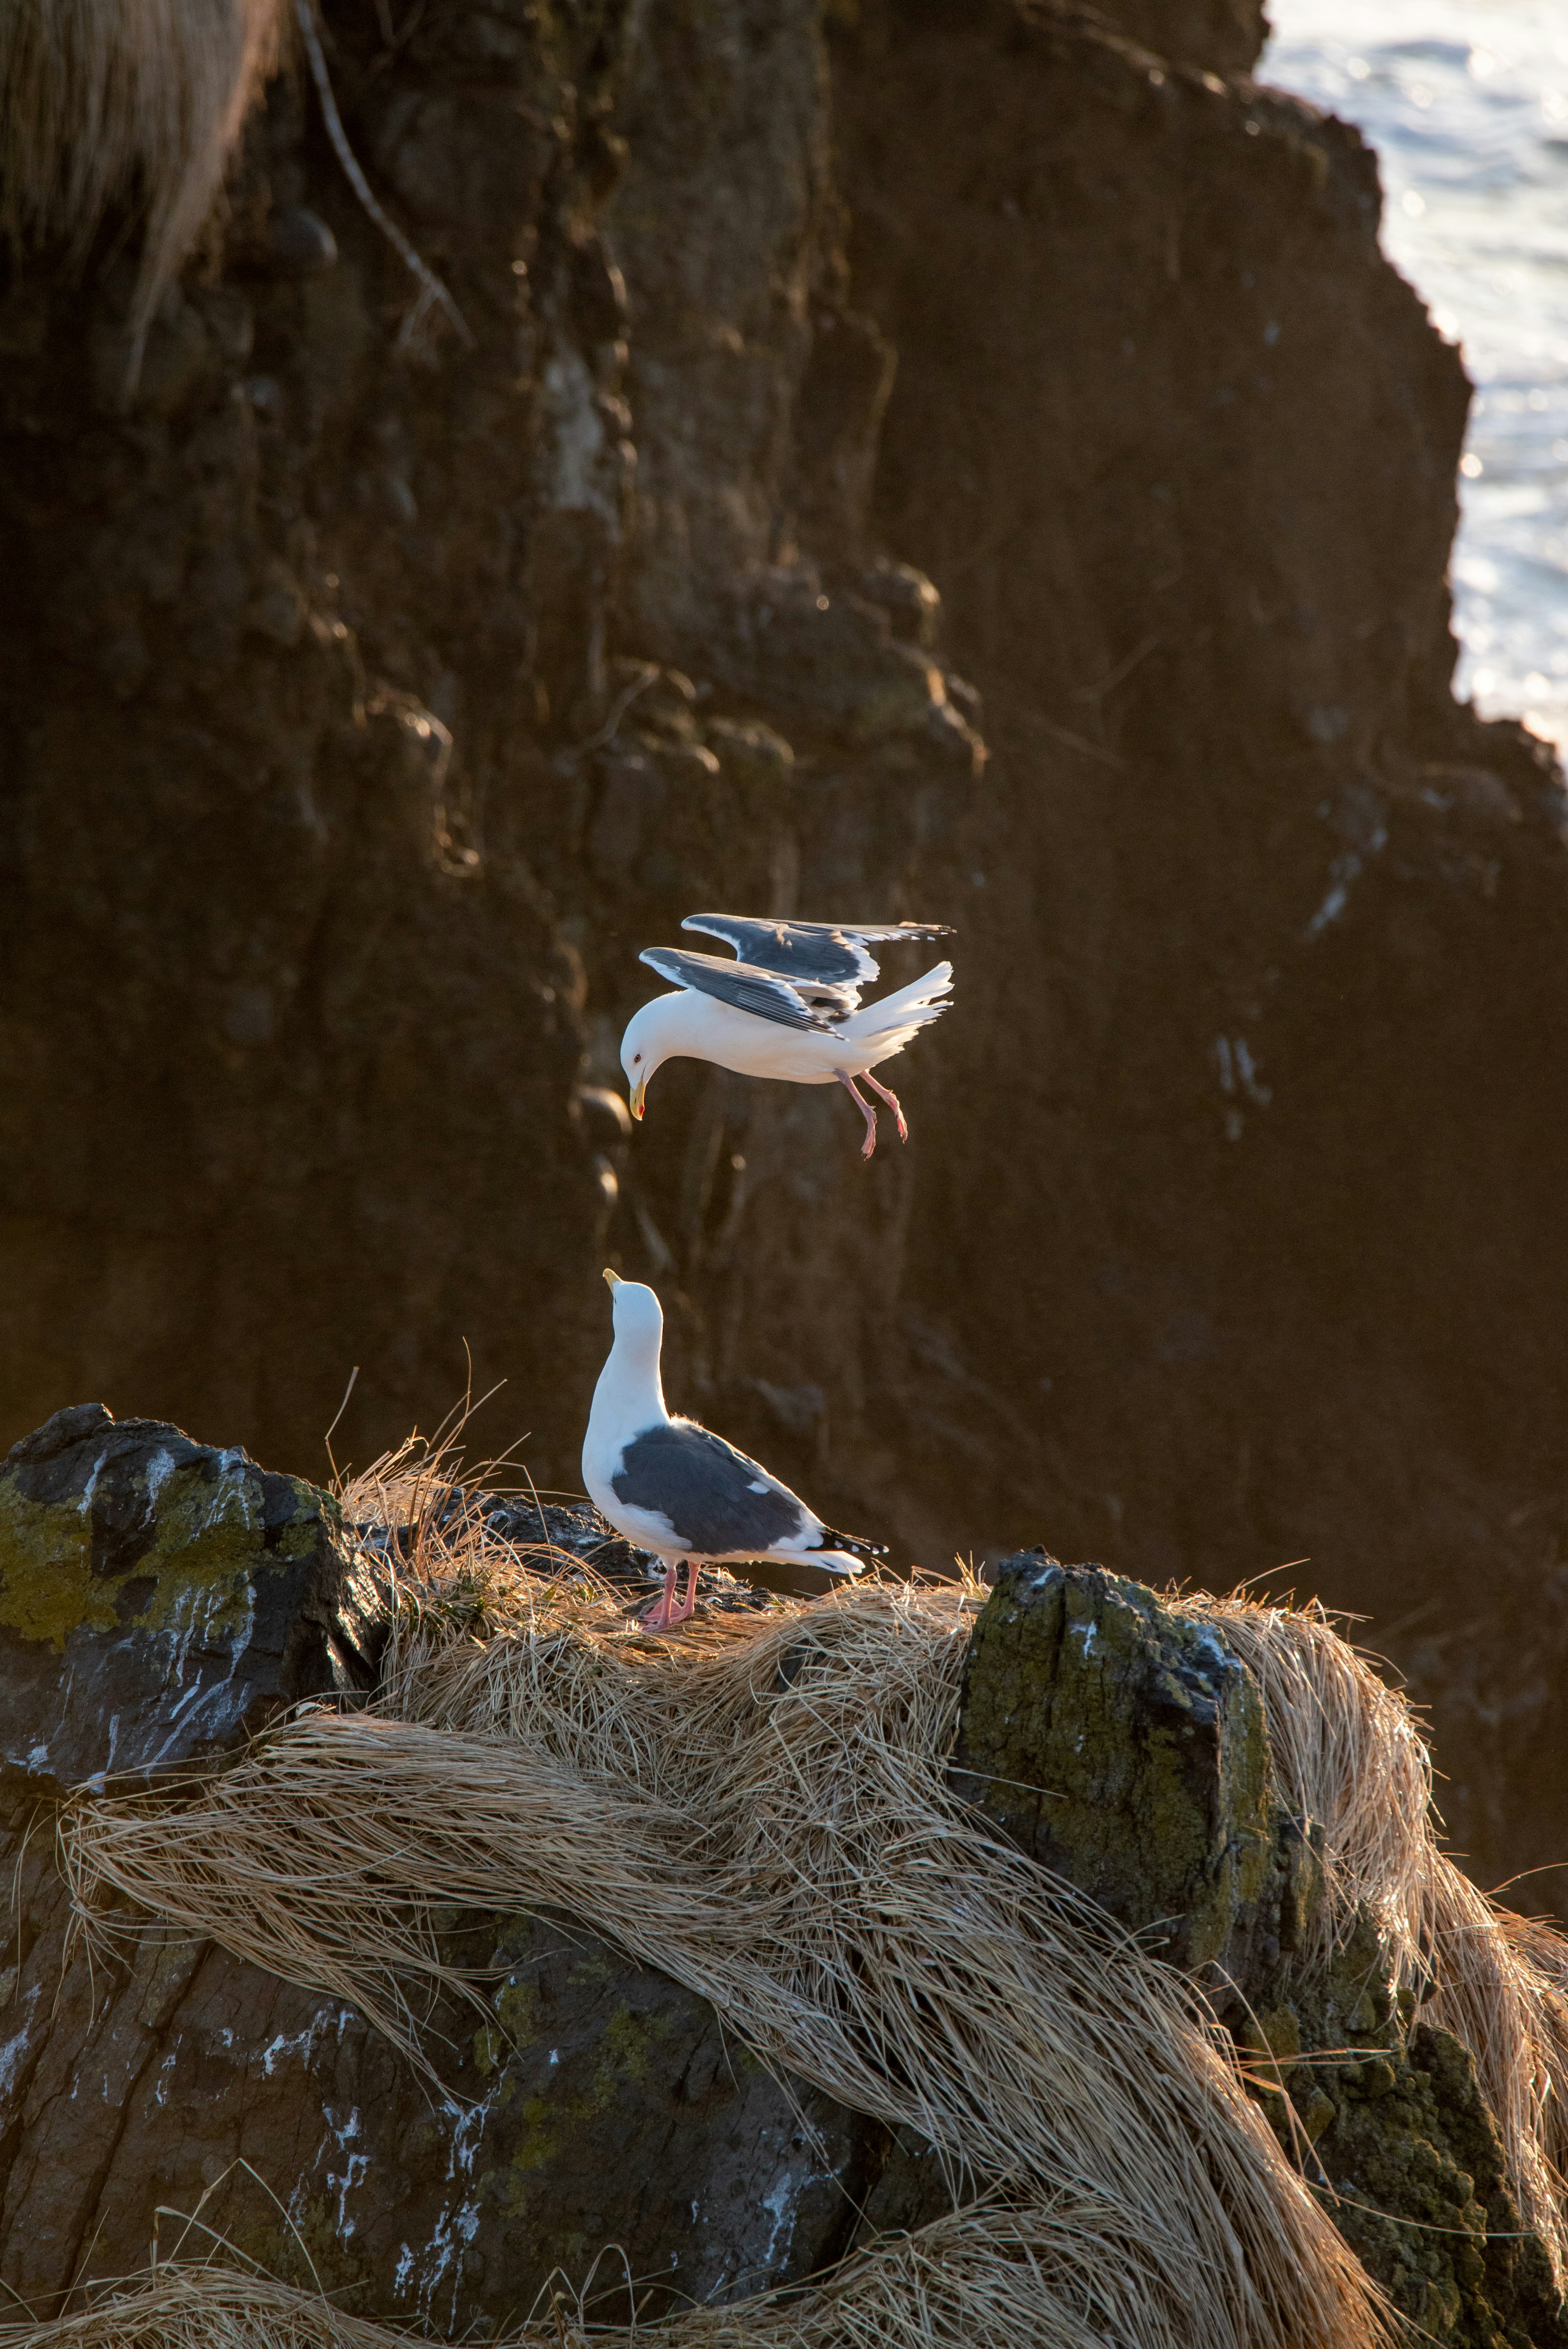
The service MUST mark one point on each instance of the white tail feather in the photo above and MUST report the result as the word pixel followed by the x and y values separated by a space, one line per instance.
pixel 913 1007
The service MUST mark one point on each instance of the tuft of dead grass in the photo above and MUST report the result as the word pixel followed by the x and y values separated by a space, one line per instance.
pixel 104 102
pixel 1348 1754
pixel 761 1809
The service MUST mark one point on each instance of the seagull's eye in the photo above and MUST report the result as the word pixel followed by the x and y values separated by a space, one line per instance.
pixel 635 1058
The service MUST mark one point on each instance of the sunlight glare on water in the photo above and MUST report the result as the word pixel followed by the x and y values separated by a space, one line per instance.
pixel 1465 102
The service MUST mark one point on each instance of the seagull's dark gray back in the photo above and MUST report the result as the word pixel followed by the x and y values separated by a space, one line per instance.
pixel 702 1484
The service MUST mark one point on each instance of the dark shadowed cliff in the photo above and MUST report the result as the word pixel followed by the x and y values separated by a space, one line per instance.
pixel 837 396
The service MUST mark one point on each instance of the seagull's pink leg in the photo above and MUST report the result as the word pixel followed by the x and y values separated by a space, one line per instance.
pixel 866 1111
pixel 661 1614
pixel 667 1610
pixel 891 1101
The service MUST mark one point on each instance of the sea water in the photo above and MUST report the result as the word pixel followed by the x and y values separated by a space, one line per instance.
pixel 1465 102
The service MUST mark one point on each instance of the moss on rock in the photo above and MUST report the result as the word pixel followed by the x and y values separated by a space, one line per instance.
pixel 180 1591
pixel 207 1532
pixel 1403 2152
pixel 1124 1748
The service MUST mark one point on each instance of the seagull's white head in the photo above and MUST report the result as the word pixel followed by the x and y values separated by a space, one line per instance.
pixel 639 1316
pixel 649 1041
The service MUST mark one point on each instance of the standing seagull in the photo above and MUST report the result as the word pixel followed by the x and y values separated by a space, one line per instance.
pixel 788 1006
pixel 673 1488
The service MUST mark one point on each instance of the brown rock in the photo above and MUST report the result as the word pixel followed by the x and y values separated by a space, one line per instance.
pixel 1240 1214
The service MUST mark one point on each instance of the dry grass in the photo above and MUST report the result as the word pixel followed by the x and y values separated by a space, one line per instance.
pixel 203 2307
pixel 1349 1754
pixel 107 102
pixel 759 1808
pixel 198 2306
pixel 978 2280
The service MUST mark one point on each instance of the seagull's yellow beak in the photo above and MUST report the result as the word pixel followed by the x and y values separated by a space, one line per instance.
pixel 638 1089
pixel 613 1278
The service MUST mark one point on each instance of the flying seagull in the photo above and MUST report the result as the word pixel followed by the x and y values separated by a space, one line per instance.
pixel 677 1489
pixel 788 1006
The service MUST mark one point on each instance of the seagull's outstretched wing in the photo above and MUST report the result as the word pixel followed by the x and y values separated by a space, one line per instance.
pixel 815 955
pixel 761 992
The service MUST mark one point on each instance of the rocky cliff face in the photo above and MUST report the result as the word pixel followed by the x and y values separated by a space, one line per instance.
pixel 1180 447
pixel 373 697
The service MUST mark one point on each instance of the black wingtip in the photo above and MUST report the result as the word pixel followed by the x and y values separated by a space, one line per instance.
pixel 855 1544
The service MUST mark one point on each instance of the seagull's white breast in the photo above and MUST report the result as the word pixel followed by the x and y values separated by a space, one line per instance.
pixel 706 1030
pixel 645 1528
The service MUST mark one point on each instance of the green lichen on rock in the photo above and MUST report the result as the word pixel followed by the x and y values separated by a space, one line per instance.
pixel 178 1592
pixel 48 1588
pixel 609 2052
pixel 619 2061
pixel 1403 2152
pixel 1124 1746
pixel 305 2247
pixel 143 1534
pixel 208 1540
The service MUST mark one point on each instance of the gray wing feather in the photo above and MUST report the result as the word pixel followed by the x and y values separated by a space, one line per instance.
pixel 823 954
pixel 707 1491
pixel 759 991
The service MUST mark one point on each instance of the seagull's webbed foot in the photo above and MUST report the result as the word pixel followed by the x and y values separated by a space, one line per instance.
pixel 891 1101
pixel 866 1111
pixel 662 1615
pixel 667 1612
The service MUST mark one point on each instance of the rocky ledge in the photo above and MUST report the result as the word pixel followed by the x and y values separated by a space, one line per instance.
pixel 161 1601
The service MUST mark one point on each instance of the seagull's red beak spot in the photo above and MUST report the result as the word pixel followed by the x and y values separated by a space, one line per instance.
pixel 638 1089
